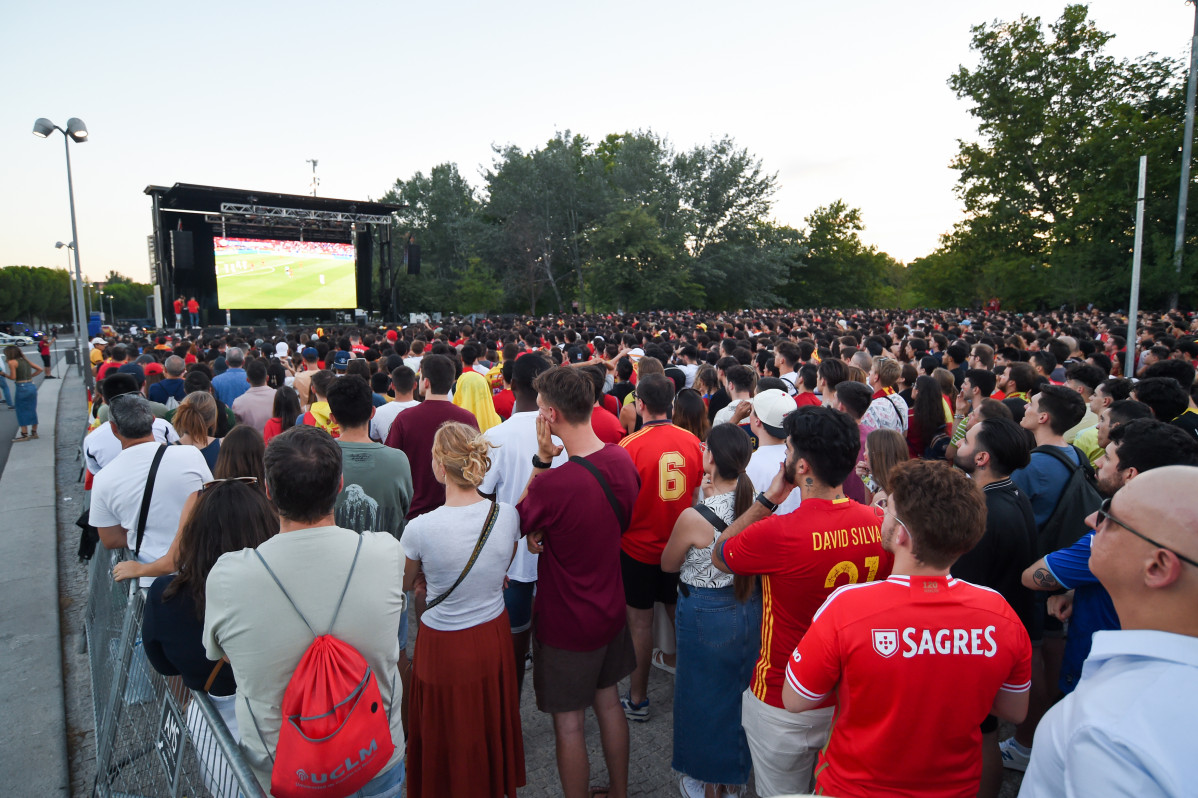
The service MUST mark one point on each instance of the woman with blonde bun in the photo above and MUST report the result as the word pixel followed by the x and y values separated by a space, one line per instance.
pixel 464 733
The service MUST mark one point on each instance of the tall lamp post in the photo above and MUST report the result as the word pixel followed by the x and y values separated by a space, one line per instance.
pixel 71 280
pixel 75 131
pixel 112 310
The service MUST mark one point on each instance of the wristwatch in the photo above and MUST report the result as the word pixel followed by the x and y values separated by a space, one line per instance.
pixel 539 463
pixel 766 503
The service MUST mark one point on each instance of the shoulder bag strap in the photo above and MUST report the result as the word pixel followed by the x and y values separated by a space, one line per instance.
pixel 212 676
pixel 711 517
pixel 144 515
pixel 478 547
pixel 611 497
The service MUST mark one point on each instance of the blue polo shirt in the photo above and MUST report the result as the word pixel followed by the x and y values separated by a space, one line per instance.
pixel 1093 610
pixel 230 385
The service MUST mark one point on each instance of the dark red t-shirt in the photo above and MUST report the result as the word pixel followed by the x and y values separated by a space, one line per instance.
pixel 412 432
pixel 580 593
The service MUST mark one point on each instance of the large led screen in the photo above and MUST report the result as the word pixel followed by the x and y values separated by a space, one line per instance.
pixel 254 273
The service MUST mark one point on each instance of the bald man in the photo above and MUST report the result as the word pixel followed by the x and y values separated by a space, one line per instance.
pixel 1128 727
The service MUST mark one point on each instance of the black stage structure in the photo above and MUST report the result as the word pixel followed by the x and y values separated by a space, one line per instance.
pixel 186 218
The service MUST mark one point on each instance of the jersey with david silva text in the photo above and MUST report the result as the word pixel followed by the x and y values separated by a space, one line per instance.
pixel 670 466
pixel 802 557
pixel 912 658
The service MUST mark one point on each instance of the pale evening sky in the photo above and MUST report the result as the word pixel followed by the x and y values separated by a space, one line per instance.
pixel 843 100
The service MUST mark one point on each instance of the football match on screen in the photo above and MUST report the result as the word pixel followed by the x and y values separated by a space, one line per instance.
pixel 293 275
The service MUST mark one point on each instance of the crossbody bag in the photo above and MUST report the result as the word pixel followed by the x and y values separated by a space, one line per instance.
pixel 611 496
pixel 478 547
pixel 717 523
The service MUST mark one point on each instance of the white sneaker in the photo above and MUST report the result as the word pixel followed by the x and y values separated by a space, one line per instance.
pixel 1013 756
pixel 690 788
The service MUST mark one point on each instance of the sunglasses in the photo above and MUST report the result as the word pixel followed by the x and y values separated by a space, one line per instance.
pixel 246 480
pixel 1104 514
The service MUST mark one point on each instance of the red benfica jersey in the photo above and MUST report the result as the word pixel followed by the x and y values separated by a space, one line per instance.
pixel 804 556
pixel 671 467
pixel 914 664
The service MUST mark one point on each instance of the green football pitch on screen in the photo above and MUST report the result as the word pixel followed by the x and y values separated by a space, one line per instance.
pixel 284 275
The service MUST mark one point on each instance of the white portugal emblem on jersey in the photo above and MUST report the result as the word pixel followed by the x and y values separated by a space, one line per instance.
pixel 885 641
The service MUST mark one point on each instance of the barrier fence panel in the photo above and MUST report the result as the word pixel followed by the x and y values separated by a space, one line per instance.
pixel 154 737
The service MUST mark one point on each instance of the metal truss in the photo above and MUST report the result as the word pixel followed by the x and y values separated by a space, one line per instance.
pixel 274 212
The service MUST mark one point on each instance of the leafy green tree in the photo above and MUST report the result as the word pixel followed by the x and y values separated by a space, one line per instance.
pixel 1049 186
pixel 478 289
pixel 836 269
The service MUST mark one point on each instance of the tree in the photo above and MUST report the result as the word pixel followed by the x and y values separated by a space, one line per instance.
pixel 1049 186
pixel 836 269
pixel 441 217
pixel 478 289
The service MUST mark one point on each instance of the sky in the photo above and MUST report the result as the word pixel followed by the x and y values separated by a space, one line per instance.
pixel 841 100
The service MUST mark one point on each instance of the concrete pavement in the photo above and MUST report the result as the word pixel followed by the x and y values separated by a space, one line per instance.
pixel 33 748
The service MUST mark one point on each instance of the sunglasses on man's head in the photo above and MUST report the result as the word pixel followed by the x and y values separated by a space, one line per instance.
pixel 1104 514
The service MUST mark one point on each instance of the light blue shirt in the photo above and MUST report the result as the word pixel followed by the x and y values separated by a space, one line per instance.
pixel 1128 728
pixel 230 385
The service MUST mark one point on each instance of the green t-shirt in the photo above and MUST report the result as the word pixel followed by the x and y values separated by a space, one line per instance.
pixel 378 488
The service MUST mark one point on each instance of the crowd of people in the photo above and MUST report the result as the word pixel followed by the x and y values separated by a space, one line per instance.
pixel 875 536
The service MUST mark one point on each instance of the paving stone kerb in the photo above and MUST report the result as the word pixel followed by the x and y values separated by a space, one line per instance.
pixel 33 739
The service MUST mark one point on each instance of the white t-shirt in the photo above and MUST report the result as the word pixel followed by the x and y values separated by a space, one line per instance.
pixel 724 415
pixel 380 424
pixel 101 446
pixel 690 370
pixel 513 443
pixel 792 379
pixel 117 493
pixel 443 540
pixel 413 363
pixel 763 466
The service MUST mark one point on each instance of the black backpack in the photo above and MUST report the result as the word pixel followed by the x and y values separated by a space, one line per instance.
pixel 1079 498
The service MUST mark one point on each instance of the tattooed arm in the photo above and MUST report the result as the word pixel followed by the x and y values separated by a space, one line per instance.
pixel 1038 577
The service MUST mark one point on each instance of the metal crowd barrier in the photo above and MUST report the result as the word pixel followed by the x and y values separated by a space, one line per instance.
pixel 154 737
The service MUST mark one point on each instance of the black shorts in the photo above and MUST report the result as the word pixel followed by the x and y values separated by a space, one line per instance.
pixel 646 584
pixel 566 681
pixel 990 724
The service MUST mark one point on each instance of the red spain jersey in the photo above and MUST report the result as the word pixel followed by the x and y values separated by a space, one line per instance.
pixel 802 557
pixel 914 664
pixel 670 465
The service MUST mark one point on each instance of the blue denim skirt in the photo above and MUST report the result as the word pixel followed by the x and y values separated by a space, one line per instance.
pixel 26 402
pixel 719 639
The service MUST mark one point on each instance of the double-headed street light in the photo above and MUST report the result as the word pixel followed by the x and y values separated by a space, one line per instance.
pixel 76 131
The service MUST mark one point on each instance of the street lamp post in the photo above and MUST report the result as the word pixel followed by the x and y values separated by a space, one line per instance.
pixel 76 131
pixel 71 283
pixel 111 310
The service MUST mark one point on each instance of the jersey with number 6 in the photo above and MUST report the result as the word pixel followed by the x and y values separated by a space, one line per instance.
pixel 671 467
pixel 803 557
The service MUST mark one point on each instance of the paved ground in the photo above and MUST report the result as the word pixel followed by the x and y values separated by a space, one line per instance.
pixel 72 585
pixel 32 738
